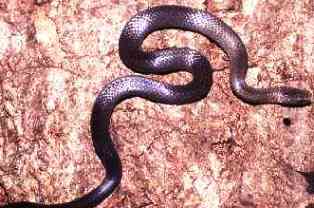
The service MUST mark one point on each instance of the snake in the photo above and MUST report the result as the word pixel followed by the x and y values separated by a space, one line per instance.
pixel 161 62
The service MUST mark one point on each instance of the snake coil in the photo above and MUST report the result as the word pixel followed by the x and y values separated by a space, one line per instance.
pixel 166 61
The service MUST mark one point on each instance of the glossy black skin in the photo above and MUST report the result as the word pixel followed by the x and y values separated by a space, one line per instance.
pixel 309 177
pixel 166 61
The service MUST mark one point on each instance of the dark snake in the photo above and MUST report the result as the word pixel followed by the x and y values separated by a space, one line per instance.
pixel 161 62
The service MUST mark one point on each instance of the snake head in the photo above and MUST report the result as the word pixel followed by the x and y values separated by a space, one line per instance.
pixel 293 97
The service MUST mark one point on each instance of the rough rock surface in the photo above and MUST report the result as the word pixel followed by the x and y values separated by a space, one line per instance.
pixel 56 55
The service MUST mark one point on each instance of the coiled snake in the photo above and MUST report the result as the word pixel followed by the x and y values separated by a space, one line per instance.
pixel 166 61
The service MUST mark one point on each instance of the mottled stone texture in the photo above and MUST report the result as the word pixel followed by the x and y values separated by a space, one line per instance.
pixel 56 55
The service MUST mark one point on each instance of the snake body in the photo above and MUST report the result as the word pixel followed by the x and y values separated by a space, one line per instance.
pixel 166 61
